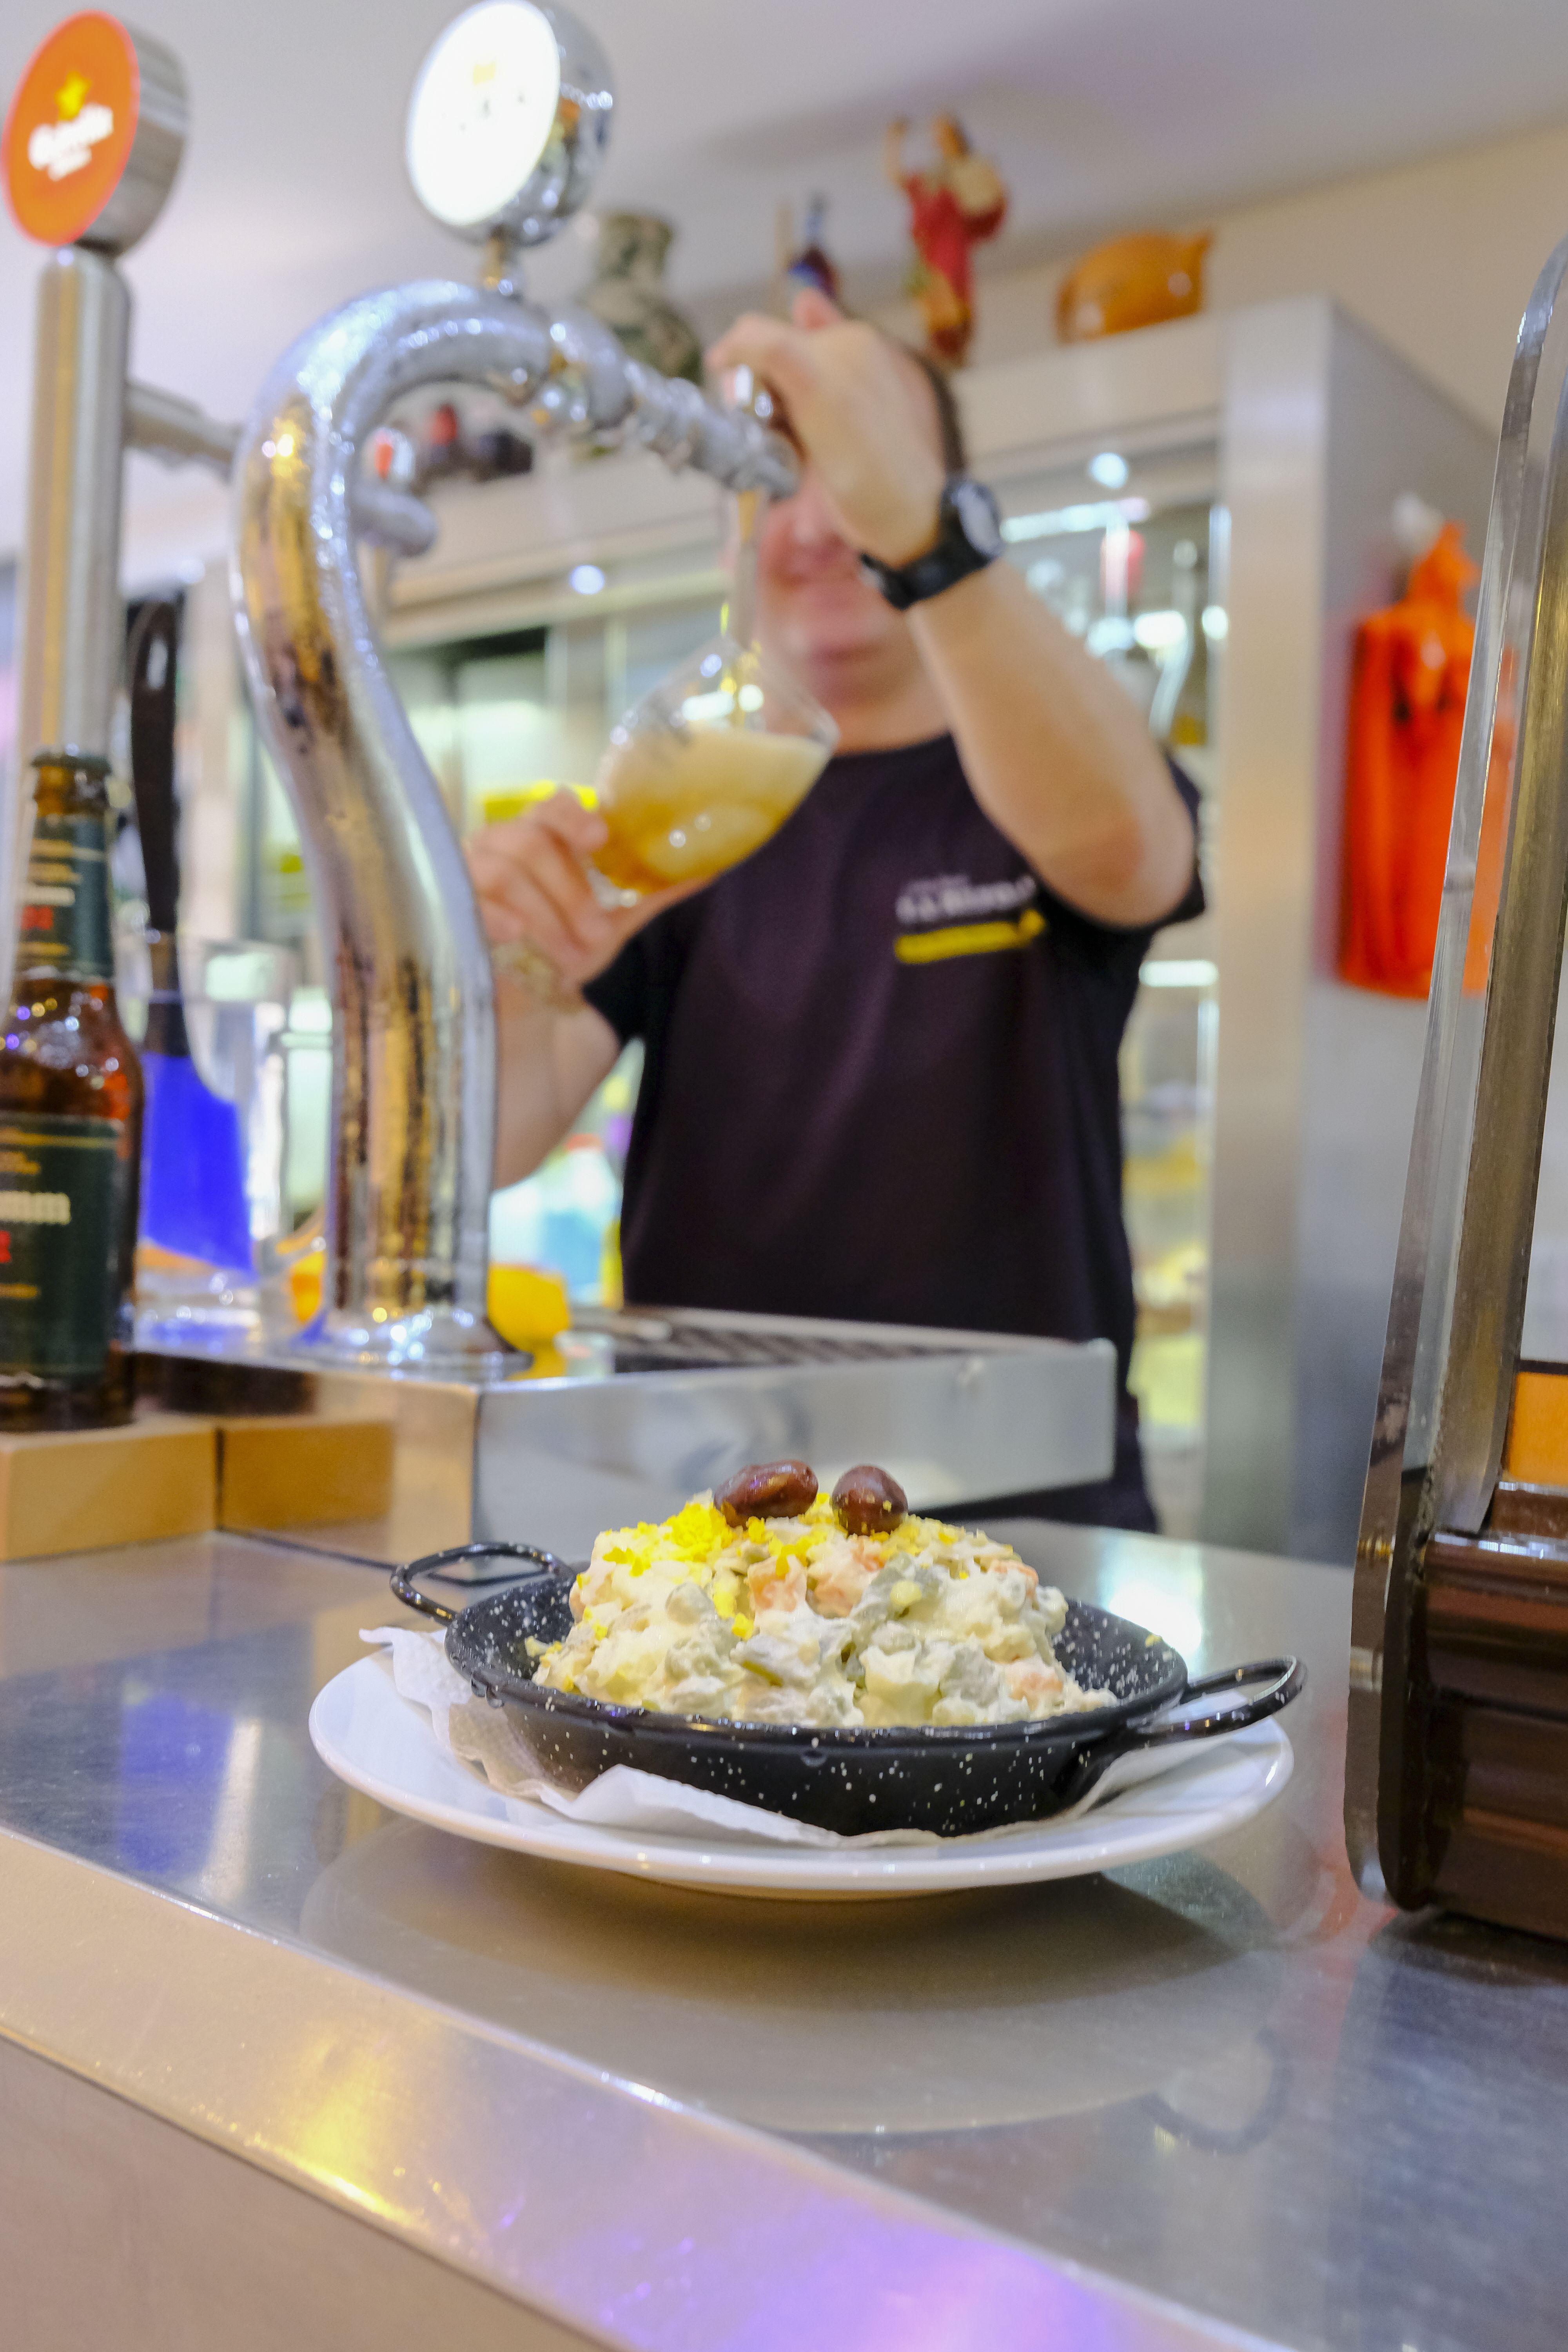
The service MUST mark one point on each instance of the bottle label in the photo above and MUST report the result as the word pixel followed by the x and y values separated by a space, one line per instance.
pixel 65 924
pixel 62 1199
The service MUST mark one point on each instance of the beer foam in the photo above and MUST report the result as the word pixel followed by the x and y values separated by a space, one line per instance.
pixel 684 803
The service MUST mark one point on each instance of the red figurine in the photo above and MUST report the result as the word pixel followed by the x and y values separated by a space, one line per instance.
pixel 952 208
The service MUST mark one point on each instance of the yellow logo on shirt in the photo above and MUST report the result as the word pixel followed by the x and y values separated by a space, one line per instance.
pixel 969 939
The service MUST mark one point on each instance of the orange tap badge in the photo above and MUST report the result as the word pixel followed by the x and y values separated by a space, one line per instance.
pixel 72 126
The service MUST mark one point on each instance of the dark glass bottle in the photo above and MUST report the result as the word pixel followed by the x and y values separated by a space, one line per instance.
pixel 70 1126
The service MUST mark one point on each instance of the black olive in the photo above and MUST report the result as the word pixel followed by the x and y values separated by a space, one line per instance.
pixel 867 1502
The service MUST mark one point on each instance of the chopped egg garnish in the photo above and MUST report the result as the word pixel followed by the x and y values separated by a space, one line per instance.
pixel 793 1621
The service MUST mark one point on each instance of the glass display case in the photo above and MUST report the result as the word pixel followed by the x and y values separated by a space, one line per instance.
pixel 1128 552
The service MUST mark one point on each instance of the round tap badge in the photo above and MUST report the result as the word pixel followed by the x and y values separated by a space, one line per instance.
pixel 482 111
pixel 508 120
pixel 92 94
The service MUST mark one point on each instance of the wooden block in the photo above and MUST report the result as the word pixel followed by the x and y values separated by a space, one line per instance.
pixel 295 1471
pixel 1522 1511
pixel 1487 1744
pixel 86 1489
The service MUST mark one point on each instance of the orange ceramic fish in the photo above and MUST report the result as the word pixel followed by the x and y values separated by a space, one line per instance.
pixel 1134 281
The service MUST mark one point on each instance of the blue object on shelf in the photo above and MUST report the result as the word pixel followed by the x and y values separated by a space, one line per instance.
pixel 192 1172
pixel 193 1168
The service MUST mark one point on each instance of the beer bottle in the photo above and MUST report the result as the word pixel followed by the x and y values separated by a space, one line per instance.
pixel 70 1124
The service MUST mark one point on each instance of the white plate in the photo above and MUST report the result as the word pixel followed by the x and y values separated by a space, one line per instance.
pixel 378 1742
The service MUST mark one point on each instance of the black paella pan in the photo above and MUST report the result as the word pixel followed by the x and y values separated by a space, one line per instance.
pixel 951 1778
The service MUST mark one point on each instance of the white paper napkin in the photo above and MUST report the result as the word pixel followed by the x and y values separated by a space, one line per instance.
pixel 487 1739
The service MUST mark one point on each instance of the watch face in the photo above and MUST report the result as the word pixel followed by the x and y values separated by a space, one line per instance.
pixel 482 112
pixel 977 518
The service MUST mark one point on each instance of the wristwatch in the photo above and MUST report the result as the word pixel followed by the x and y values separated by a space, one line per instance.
pixel 969 537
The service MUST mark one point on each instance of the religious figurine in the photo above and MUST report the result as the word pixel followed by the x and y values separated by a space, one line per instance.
pixel 809 264
pixel 629 294
pixel 954 207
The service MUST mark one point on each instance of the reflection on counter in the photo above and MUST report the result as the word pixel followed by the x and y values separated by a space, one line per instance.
pixel 1411 2025
pixel 952 2014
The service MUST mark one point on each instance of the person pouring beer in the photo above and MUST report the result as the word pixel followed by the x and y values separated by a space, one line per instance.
pixel 880 1074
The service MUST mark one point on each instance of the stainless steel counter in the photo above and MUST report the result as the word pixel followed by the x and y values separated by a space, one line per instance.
pixel 1216 2098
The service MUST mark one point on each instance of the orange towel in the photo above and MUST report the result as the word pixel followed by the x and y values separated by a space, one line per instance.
pixel 1407 709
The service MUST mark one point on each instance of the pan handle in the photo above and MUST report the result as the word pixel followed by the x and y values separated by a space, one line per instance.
pixel 1285 1679
pixel 436 1562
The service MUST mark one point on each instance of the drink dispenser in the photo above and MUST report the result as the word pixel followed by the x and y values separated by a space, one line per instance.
pixel 508 123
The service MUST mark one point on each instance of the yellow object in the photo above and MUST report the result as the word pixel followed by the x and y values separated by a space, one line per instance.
pixel 499 808
pixel 612 1277
pixel 526 1305
pixel 302 1255
pixel 1537 1449
pixel 83 1490
pixel 969 939
pixel 1167 1379
pixel 305 1283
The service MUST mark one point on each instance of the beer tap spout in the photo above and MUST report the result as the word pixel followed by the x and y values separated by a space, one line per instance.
pixel 413 1035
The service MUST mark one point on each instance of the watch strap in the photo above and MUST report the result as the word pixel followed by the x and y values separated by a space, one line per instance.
pixel 969 537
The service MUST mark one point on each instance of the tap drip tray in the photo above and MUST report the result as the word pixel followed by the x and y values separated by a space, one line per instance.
pixel 623 1418
pixel 694 1339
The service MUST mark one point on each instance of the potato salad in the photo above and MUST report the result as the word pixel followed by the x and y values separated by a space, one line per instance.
pixel 766 1602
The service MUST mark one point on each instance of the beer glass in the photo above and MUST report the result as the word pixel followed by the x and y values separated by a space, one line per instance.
pixel 705 769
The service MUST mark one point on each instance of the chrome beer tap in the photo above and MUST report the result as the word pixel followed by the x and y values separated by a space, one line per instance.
pixel 507 123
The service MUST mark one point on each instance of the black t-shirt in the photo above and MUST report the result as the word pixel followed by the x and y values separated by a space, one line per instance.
pixel 880 1080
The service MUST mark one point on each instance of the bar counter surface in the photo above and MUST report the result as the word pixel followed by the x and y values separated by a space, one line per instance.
pixel 278 2068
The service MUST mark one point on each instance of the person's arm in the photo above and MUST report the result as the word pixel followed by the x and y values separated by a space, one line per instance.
pixel 1054 753
pixel 553 1047
pixel 548 1063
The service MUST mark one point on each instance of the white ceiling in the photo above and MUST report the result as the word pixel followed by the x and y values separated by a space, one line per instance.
pixel 293 197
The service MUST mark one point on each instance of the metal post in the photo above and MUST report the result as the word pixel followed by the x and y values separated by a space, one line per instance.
pixel 71 626
pixel 70 645
pixel 104 198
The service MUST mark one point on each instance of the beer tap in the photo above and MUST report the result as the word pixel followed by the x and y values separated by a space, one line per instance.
pixel 507 126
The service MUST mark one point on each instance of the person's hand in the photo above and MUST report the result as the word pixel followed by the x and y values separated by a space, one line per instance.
pixel 862 417
pixel 530 877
